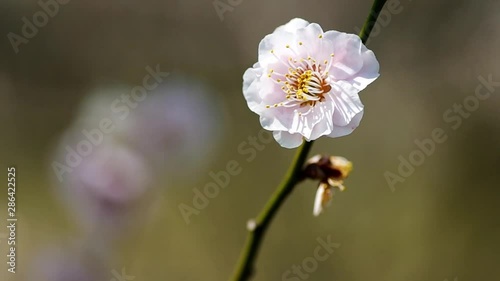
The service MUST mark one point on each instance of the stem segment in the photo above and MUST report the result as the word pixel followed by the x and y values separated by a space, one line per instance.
pixel 371 19
pixel 244 269
pixel 245 266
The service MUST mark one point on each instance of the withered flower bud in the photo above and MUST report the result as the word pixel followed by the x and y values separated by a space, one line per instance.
pixel 331 172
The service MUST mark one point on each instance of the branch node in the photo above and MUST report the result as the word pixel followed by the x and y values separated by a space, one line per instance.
pixel 251 225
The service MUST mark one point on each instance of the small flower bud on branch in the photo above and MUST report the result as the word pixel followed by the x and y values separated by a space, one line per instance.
pixel 331 172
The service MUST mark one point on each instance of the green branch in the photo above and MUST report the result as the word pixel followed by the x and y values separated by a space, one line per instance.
pixel 371 20
pixel 245 266
pixel 258 227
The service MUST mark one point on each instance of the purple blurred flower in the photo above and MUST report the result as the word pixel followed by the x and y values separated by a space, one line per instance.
pixel 67 264
pixel 107 187
pixel 177 125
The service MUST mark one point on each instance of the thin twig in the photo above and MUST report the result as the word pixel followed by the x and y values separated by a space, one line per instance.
pixel 245 267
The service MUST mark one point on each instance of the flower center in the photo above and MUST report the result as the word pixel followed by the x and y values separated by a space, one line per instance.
pixel 305 83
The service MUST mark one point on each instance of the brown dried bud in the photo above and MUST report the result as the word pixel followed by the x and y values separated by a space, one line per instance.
pixel 326 168
pixel 331 172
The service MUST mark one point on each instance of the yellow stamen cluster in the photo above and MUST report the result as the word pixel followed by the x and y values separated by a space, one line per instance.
pixel 302 83
pixel 305 82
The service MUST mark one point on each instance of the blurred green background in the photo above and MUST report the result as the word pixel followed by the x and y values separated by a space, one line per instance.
pixel 442 222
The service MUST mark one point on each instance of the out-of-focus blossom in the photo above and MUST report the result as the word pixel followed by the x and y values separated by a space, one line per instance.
pixel 118 147
pixel 306 82
pixel 107 187
pixel 67 264
pixel 114 174
pixel 177 125
pixel 105 102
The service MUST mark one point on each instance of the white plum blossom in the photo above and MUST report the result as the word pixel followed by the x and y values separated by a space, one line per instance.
pixel 306 82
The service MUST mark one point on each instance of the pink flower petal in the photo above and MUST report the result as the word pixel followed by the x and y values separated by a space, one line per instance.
pixel 306 82
pixel 288 140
